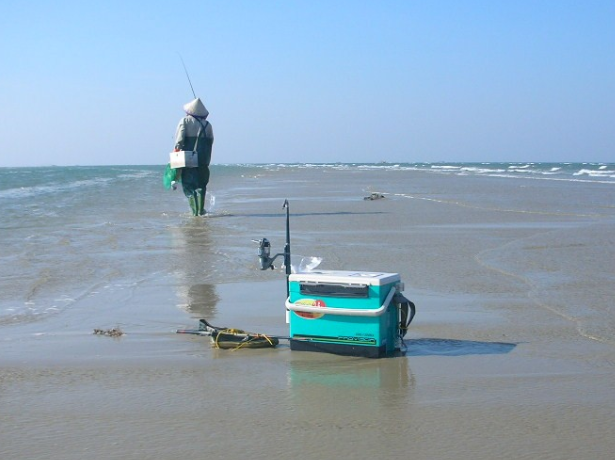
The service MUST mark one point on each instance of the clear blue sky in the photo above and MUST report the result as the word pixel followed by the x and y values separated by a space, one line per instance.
pixel 93 83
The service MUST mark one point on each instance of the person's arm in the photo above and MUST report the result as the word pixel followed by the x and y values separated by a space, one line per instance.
pixel 180 134
pixel 179 143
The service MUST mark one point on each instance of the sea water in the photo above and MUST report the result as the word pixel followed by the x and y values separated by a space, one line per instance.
pixel 511 353
pixel 70 232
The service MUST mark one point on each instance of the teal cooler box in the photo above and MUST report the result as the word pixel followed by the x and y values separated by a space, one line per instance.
pixel 344 312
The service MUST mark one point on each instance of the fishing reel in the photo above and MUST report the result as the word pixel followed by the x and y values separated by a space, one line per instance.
pixel 264 254
pixel 264 247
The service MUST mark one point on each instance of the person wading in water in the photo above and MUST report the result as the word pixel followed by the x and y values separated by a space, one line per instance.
pixel 195 133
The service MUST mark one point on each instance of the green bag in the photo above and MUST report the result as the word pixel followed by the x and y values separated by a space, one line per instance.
pixel 169 176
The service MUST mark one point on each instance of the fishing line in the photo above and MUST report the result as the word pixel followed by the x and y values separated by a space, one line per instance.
pixel 188 76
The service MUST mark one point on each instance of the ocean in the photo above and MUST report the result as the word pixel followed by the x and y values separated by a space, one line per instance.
pixel 511 353
pixel 70 231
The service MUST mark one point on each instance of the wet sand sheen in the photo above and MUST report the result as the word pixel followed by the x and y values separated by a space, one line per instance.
pixel 496 367
pixel 178 397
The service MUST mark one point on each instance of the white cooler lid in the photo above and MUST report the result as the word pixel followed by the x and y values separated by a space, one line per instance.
pixel 346 277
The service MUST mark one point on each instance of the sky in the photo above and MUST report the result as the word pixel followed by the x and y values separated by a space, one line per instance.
pixel 102 83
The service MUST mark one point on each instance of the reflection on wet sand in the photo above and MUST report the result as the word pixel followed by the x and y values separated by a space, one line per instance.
pixel 193 246
pixel 202 300
pixel 379 383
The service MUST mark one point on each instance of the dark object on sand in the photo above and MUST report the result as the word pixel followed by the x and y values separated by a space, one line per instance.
pixel 115 332
pixel 228 338
pixel 374 196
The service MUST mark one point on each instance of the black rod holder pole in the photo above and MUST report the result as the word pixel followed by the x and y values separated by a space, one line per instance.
pixel 287 248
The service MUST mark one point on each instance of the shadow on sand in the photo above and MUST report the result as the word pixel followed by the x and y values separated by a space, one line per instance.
pixel 448 347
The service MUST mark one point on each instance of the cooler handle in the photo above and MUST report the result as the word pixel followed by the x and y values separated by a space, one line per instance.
pixel 343 311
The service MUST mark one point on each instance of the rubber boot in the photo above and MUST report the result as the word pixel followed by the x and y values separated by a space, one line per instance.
pixel 193 204
pixel 200 201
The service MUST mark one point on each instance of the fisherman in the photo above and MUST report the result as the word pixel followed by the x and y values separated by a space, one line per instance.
pixel 194 133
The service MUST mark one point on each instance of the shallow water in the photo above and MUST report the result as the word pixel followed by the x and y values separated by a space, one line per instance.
pixel 512 278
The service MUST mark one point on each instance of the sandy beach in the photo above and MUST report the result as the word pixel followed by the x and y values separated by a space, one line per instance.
pixel 511 354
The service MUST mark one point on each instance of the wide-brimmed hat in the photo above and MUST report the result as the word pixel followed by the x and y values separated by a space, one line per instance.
pixel 196 108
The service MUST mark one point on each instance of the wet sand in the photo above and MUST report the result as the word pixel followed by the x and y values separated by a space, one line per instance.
pixel 496 365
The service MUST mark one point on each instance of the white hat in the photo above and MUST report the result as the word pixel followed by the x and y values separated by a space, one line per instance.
pixel 196 108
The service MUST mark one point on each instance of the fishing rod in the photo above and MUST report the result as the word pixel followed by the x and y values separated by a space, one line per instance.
pixel 264 250
pixel 188 76
pixel 209 333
